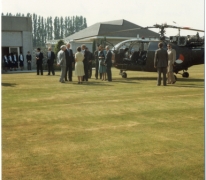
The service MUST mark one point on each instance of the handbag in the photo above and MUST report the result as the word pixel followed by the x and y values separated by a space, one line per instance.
pixel 102 62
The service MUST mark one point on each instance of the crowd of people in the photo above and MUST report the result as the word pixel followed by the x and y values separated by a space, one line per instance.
pixel 81 61
pixel 12 61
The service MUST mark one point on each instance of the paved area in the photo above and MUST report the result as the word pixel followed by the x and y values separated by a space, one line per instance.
pixel 18 71
pixel 26 71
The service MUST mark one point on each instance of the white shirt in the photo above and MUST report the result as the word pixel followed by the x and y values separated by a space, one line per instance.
pixel 14 57
pixel 49 54
pixel 5 57
pixel 21 57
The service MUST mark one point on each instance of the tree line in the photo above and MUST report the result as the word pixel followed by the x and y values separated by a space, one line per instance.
pixel 44 29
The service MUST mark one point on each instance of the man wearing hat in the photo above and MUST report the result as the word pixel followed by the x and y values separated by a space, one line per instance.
pixel 62 62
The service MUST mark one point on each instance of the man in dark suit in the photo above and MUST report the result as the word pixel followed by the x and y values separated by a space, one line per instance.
pixel 108 63
pixel 90 54
pixel 39 61
pixel 98 56
pixel 161 62
pixel 85 61
pixel 96 63
pixel 28 58
pixel 50 61
pixel 140 53
pixel 69 62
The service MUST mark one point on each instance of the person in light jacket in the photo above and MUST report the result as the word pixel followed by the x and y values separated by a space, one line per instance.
pixel 171 60
pixel 62 62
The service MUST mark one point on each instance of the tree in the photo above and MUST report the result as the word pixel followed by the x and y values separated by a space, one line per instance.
pixel 28 15
pixel 38 32
pixel 44 29
pixel 94 46
pixel 57 46
pixel 104 41
pixel 70 27
pixel 66 27
pixel 85 23
pixel 56 28
pixel 34 30
pixel 62 27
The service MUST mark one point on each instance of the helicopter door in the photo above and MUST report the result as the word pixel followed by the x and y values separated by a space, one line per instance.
pixel 197 56
pixel 139 53
pixel 152 47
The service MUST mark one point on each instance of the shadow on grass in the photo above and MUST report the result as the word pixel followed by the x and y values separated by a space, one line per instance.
pixel 190 80
pixel 89 83
pixel 133 80
pixel 8 84
pixel 190 86
pixel 142 78
pixel 126 81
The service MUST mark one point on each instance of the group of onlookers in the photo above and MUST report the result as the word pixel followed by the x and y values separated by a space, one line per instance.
pixel 12 61
pixel 103 59
pixel 83 63
pixel 164 61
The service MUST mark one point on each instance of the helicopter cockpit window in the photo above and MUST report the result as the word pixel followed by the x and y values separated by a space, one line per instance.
pixel 153 46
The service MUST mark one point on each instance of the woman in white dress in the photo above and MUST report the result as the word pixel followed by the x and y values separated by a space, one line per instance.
pixel 79 66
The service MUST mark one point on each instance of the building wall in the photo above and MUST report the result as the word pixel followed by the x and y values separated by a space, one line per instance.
pixel 13 23
pixel 17 34
pixel 11 38
pixel 74 45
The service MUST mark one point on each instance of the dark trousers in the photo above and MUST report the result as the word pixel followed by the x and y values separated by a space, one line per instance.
pixel 39 68
pixel 29 66
pixel 85 77
pixel 109 73
pixel 159 71
pixel 97 70
pixel 68 72
pixel 51 68
pixel 90 70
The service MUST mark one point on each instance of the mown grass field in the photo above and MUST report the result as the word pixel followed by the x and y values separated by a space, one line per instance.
pixel 128 129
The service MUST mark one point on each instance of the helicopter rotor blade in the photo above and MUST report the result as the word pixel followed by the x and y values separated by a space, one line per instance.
pixel 154 26
pixel 187 28
pixel 176 27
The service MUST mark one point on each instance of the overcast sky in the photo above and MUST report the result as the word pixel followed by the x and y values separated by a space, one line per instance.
pixel 186 13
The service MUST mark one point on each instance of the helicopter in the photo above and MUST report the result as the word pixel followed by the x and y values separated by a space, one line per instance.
pixel 138 54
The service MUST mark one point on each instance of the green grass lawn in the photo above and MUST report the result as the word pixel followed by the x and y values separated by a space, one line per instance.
pixel 128 129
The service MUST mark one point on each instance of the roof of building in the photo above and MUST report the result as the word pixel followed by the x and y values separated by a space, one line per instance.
pixel 111 29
